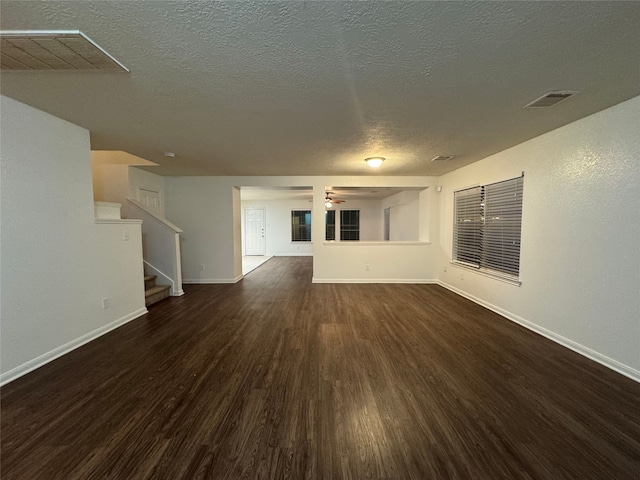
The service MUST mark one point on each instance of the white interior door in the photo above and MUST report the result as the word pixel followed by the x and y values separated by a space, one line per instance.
pixel 151 200
pixel 254 231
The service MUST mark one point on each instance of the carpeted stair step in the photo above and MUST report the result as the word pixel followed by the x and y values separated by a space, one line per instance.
pixel 155 294
pixel 149 281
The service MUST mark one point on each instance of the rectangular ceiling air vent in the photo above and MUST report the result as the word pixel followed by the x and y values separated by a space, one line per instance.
pixel 52 51
pixel 442 158
pixel 550 99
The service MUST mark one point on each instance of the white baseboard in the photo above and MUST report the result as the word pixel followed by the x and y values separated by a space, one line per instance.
pixel 179 293
pixel 373 280
pixel 621 368
pixel 212 280
pixel 45 358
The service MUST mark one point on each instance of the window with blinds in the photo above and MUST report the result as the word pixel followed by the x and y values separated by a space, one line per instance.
pixel 488 222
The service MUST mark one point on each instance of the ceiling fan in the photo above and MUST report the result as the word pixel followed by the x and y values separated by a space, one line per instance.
pixel 328 201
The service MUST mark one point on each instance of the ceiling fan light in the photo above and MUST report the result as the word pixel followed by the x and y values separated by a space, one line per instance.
pixel 374 162
pixel 327 204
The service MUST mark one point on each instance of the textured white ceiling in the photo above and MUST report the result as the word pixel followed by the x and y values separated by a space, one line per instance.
pixel 312 88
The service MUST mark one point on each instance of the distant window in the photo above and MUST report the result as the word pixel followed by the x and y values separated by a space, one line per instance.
pixel 487 227
pixel 330 224
pixel 349 225
pixel 301 226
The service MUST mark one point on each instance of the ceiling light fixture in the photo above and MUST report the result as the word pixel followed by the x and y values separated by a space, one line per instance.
pixel 374 162
pixel 327 201
pixel 170 154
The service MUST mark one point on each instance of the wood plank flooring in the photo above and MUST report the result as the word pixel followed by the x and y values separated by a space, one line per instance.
pixel 278 378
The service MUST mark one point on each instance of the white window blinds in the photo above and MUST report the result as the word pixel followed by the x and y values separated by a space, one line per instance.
pixel 488 221
pixel 467 232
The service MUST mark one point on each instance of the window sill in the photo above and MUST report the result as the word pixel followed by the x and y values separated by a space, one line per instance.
pixel 350 243
pixel 486 273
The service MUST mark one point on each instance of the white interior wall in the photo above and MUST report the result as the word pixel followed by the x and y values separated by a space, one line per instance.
pixel 56 263
pixel 392 261
pixel 110 182
pixel 278 226
pixel 371 218
pixel 580 260
pixel 114 181
pixel 404 215
pixel 203 207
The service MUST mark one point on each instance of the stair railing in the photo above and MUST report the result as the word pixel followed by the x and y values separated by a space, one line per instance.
pixel 160 245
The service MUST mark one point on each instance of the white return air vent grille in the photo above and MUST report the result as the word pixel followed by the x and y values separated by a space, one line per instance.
pixel 442 158
pixel 550 99
pixel 53 50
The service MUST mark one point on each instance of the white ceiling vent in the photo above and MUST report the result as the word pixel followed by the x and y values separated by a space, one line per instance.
pixel 442 158
pixel 53 50
pixel 550 99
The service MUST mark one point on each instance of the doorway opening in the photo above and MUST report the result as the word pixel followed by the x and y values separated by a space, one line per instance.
pixel 271 225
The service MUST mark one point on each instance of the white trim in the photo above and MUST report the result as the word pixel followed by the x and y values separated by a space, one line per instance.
pixel 487 273
pixel 296 254
pixel 161 220
pixel 45 358
pixel 102 221
pixel 619 367
pixel 175 292
pixel 212 280
pixel 383 243
pixel 375 280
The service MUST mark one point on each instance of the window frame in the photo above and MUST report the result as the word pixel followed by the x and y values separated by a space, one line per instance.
pixel 349 229
pixel 301 227
pixel 487 228
pixel 329 227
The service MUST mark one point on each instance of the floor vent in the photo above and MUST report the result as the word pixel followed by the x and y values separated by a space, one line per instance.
pixel 550 99
pixel 442 158
pixel 53 51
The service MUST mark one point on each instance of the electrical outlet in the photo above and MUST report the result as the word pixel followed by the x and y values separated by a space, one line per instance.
pixel 461 275
pixel 105 303
pixel 445 268
pixel 366 267
pixel 202 267
pixel 125 235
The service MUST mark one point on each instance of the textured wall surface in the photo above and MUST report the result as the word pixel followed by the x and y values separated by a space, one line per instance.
pixel 580 261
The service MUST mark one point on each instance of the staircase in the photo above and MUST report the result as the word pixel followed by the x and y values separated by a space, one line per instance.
pixel 154 293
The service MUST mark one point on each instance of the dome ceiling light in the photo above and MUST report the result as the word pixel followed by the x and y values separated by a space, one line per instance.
pixel 374 162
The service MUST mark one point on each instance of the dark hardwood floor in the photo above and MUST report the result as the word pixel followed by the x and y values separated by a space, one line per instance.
pixel 277 378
